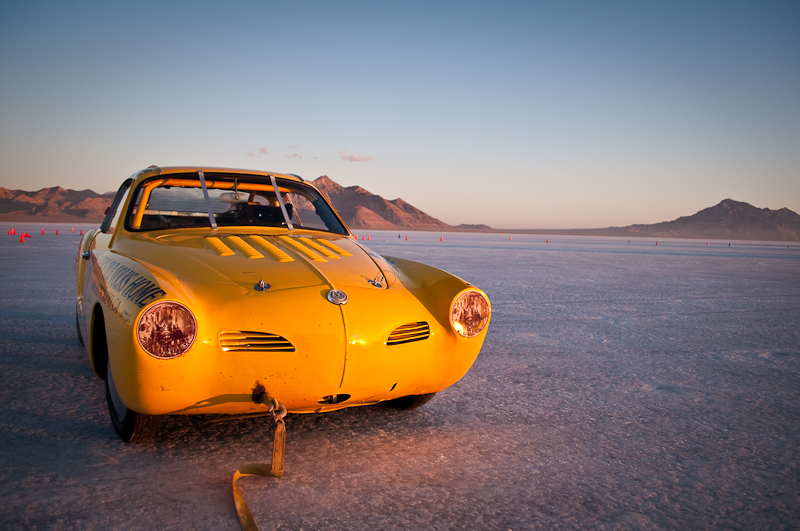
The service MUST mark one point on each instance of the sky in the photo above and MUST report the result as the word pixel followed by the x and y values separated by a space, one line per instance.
pixel 567 114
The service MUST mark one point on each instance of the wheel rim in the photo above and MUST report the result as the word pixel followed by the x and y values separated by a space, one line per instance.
pixel 120 409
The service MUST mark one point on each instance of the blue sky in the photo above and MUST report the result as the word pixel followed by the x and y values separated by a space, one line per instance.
pixel 513 114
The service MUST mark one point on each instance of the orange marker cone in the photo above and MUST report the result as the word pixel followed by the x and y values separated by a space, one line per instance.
pixel 73 229
pixel 22 238
pixel 368 237
pixel 14 232
pixel 406 238
pixel 548 240
pixel 441 238
pixel 81 232
pixel 56 232
pixel 362 237
pixel 42 232
pixel 511 238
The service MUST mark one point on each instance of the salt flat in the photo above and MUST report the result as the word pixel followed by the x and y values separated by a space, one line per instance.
pixel 621 386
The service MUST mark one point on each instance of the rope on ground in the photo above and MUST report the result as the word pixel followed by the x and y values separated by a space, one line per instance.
pixel 274 469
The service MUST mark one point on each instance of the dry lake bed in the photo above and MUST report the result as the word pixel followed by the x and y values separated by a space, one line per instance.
pixel 621 386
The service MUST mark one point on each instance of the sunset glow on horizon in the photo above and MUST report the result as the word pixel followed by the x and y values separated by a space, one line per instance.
pixel 543 115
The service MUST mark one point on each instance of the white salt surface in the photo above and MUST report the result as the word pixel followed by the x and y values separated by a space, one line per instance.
pixel 621 386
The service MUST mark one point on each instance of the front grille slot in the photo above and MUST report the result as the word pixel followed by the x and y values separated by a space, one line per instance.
pixel 409 333
pixel 247 341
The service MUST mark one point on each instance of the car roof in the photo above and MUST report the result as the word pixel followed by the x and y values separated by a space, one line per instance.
pixel 169 170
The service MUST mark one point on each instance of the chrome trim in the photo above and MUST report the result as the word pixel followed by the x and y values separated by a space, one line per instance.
pixel 211 217
pixel 408 333
pixel 280 202
pixel 337 296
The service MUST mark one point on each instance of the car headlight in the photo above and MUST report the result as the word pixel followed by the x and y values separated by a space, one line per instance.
pixel 166 330
pixel 470 312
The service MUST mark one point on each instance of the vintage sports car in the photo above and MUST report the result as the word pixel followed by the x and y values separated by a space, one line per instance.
pixel 206 288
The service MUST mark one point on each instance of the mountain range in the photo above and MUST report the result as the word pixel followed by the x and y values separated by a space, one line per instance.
pixel 360 209
pixel 53 205
pixel 364 210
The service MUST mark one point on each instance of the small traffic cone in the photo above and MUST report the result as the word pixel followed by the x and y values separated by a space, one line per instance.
pixel 656 243
pixel 73 229
pixel 56 232
pixel 14 232
pixel 548 240
pixel 42 231
pixel 81 232
pixel 441 238
pixel 368 237
pixel 406 238
pixel 511 238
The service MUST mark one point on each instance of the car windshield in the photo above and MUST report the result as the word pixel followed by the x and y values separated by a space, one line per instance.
pixel 178 200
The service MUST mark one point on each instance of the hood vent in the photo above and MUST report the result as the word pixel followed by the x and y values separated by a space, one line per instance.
pixel 246 341
pixel 409 333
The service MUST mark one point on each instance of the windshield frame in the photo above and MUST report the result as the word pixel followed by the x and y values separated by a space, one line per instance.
pixel 254 184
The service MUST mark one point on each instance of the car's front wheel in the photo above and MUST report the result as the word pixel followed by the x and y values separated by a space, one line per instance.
pixel 78 326
pixel 409 402
pixel 129 425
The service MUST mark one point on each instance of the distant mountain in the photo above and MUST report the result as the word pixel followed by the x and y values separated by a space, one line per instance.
pixel 53 204
pixel 465 227
pixel 359 208
pixel 729 220
pixel 362 210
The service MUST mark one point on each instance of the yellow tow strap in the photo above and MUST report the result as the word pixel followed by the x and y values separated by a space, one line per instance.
pixel 274 469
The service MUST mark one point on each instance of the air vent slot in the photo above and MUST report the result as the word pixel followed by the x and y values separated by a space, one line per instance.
pixel 246 341
pixel 409 333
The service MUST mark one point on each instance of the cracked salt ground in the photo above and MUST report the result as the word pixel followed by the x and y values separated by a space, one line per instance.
pixel 621 386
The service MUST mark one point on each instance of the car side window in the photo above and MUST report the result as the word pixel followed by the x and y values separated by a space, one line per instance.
pixel 114 211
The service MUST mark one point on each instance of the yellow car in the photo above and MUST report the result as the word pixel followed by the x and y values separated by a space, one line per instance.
pixel 206 289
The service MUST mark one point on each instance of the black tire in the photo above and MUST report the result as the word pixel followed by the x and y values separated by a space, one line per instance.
pixel 78 326
pixel 129 425
pixel 409 402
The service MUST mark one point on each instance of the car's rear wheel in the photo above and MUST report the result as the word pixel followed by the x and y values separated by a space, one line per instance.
pixel 129 425
pixel 409 402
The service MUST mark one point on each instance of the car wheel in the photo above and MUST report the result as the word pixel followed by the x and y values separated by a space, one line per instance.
pixel 409 402
pixel 78 327
pixel 129 425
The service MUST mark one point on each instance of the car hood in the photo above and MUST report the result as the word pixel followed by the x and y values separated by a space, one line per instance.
pixel 281 261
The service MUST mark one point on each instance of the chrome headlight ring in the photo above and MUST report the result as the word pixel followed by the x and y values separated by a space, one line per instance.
pixel 166 330
pixel 470 312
